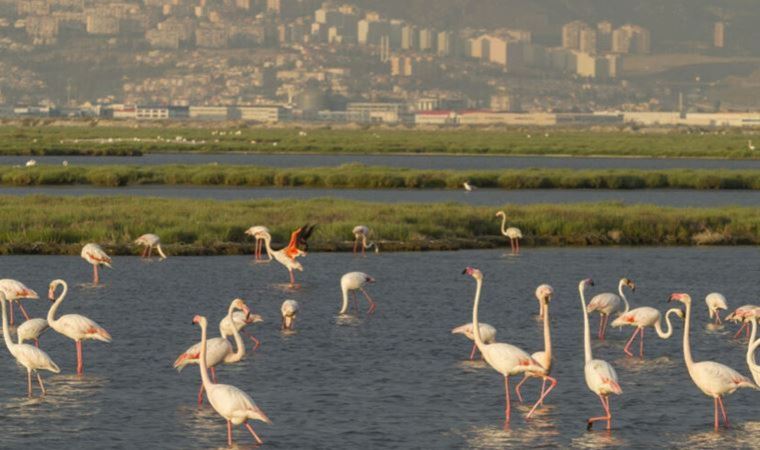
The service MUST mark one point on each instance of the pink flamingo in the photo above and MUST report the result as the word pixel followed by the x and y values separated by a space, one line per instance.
pixel 741 314
pixel 15 291
pixel 713 379
pixel 645 317
pixel 608 303
pixel 287 256
pixel 93 254
pixel 260 234
pixel 149 241
pixel 228 401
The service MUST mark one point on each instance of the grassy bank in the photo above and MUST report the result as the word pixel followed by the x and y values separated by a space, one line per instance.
pixel 358 176
pixel 59 140
pixel 54 225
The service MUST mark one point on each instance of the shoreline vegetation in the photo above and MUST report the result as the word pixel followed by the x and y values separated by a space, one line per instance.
pixel 61 225
pixel 358 176
pixel 38 137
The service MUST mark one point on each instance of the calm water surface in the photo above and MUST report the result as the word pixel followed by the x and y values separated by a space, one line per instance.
pixel 396 380
pixel 663 197
pixel 472 162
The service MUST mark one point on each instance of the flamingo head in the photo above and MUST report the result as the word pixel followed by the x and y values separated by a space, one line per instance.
pixel 586 283
pixel 628 282
pixel 369 279
pixel 500 214
pixel 680 297
pixel 200 320
pixel 51 289
pixel 473 272
pixel 544 293
pixel 239 304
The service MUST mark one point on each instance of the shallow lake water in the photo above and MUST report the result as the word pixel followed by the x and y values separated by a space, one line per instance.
pixel 398 379
pixel 462 162
pixel 492 197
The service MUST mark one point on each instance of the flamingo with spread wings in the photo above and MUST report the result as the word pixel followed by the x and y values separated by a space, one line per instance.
pixel 287 256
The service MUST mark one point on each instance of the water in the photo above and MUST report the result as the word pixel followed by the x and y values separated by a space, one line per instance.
pixel 491 197
pixel 396 380
pixel 471 162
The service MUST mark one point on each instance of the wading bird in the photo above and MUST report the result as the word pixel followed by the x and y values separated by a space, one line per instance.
pixel 713 379
pixel 31 330
pixel 641 318
pixel 219 349
pixel 601 377
pixel 228 401
pixel 741 315
pixel 287 256
pixel 93 254
pixel 715 302
pixel 149 241
pixel 503 358
pixel 543 291
pixel 361 233
pixel 513 233
pixel 469 187
pixel 32 358
pixel 754 342
pixel 487 333
pixel 73 326
pixel 289 310
pixel 240 320
pixel 608 303
pixel 260 234
pixel 15 291
pixel 352 282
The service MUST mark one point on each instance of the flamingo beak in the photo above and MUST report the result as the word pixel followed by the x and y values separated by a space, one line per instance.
pixel 51 295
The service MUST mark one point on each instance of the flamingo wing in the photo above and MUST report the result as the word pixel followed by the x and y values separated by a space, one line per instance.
pixel 601 377
pixel 33 358
pixel 234 404
pixel 15 290
pixel 216 350
pixel 606 303
pixel 79 327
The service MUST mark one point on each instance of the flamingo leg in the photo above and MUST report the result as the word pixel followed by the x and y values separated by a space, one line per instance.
pixel 627 347
pixel 543 395
pixel 372 305
pixel 292 278
pixel 213 374
pixel 472 353
pixel 543 389
pixel 95 278
pixel 738 333
pixel 11 303
pixel 512 245
pixel 517 388
pixel 29 382
pixel 256 341
pixel 508 411
pixel 80 362
pixel 604 326
pixel 517 245
pixel 356 302
pixel 601 322
pixel 23 311
pixel 37 343
pixel 42 385
pixel 150 250
pixel 723 412
pixel 607 418
pixel 715 408
pixel 229 433
pixel 255 436
pixel 641 344
pixel 200 395
pixel 717 317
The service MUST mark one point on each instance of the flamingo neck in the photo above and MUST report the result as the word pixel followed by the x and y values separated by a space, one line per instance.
pixel 622 295
pixel 6 328
pixel 475 323
pixel 239 345
pixel 588 356
pixel 547 338
pixel 202 361
pixel 753 344
pixel 344 307
pixel 53 309
pixel 686 344
pixel 160 252
pixel 658 324
pixel 504 224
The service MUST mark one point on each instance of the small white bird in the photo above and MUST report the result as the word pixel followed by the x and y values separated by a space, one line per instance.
pixel 65 163
pixel 715 302
pixel 487 334
pixel 750 145
pixel 31 163
pixel 468 186
pixel 289 311
pixel 150 240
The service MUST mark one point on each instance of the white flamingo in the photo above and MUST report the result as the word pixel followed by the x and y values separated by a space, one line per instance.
pixel 742 314
pixel 240 320
pixel 352 282
pixel 543 357
pixel 361 233
pixel 73 326
pixel 608 303
pixel 289 311
pixel 543 291
pixel 641 318
pixel 228 401
pixel 29 356
pixel 260 234
pixel 503 358
pixel 220 349
pixel 715 302
pixel 754 342
pixel 31 330
pixel 513 233
pixel 713 379
pixel 150 240
pixel 94 254
pixel 601 377
pixel 15 291
pixel 487 333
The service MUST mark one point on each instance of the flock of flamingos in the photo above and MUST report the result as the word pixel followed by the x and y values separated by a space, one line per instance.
pixel 236 407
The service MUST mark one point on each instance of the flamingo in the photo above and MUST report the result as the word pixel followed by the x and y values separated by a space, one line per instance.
pixel 750 145
pixel 93 254
pixel 741 314
pixel 289 310
pixel 287 256
pixel 31 330
pixel 73 326
pixel 601 377
pixel 15 291
pixel 754 368
pixel 32 358
pixel 641 318
pixel 149 241
pixel 715 302
pixel 469 187
pixel 545 357
pixel 513 233
pixel 487 333
pixel 713 379
pixel 228 401
pixel 361 232
pixel 240 321
pixel 608 303
pixel 260 234
pixel 220 348
pixel 543 291
pixel 503 358
pixel 352 282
